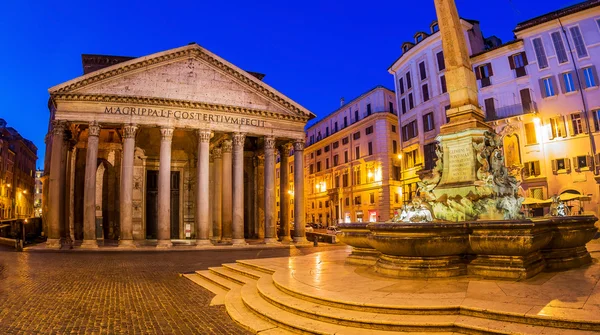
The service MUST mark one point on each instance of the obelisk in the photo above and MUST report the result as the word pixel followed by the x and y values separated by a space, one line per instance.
pixel 466 119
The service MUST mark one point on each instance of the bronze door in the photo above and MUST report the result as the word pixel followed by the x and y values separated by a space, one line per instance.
pixel 151 204
pixel 175 204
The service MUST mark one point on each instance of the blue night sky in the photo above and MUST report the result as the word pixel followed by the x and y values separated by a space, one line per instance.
pixel 313 51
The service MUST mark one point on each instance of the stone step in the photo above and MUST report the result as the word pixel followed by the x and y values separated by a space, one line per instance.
pixel 244 270
pixel 248 320
pixel 298 323
pixel 255 267
pixel 219 291
pixel 231 275
pixel 224 283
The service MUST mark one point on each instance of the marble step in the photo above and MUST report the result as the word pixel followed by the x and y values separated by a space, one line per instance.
pixel 224 283
pixel 248 320
pixel 394 322
pixel 231 275
pixel 244 270
pixel 219 291
pixel 255 267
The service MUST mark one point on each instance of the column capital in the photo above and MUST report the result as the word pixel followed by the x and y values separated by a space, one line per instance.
pixel 239 139
pixel 216 153
pixel 298 145
pixel 94 129
pixel 203 135
pixel 269 142
pixel 166 133
pixel 58 127
pixel 129 130
pixel 285 148
pixel 226 146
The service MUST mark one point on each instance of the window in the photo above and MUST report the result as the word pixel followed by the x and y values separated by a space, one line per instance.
pixel 372 197
pixel 440 61
pixel 396 197
pixel 401 85
pixel 443 83
pixel 408 81
pixel 557 127
pixel 403 105
pixel 369 130
pixel 537 193
pixel 326 131
pixel 526 100
pixel 435 28
pixel 335 144
pixel 429 155
pixel 590 76
pixel 355 116
pixel 396 172
pixel 517 62
pixel 346 156
pixel 357 177
pixel 391 106
pixel 561 165
pixel 320 204
pixel 311 169
pixel 567 83
pixel 347 201
pixel 582 163
pixel 411 103
pixel 577 126
pixel 326 163
pixel 411 159
pixel 394 147
pixel 596 116
pixel 356 135
pixel 345 121
pixel 326 149
pixel 326 204
pixel 357 152
pixel 422 71
pixel 547 86
pixel 357 200
pixel 345 179
pixel 531 169
pixel 335 127
pixel 559 46
pixel 425 92
pixel 319 152
pixel 318 166
pixel 540 53
pixel 410 131
pixel 345 140
pixel 393 128
pixel 336 160
pixel 428 122
pixel 490 109
pixel 337 181
pixel 530 133
pixel 368 109
pixel 483 73
pixel 370 148
pixel 578 41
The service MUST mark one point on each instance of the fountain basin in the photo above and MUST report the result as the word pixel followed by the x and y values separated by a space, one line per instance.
pixel 507 249
pixel 356 235
pixel 425 250
pixel 567 248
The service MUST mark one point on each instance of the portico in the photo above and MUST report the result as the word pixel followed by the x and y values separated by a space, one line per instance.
pixel 163 147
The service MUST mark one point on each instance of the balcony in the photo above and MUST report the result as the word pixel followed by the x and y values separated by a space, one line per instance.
pixel 511 110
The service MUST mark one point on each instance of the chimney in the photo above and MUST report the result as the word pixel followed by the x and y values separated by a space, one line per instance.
pixel 342 101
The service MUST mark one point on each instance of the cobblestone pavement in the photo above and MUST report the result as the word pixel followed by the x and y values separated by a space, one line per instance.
pixel 115 293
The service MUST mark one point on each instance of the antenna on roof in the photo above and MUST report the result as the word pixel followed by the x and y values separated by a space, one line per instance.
pixel 342 101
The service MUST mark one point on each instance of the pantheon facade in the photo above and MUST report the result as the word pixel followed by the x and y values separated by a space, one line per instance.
pixel 176 145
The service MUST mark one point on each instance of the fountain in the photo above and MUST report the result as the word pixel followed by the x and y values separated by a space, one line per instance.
pixel 468 219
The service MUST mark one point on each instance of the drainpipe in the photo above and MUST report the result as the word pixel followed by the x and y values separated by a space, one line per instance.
pixel 583 101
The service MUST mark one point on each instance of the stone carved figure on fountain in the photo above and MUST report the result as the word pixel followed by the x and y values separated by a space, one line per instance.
pixel 417 212
pixel 429 182
pixel 558 207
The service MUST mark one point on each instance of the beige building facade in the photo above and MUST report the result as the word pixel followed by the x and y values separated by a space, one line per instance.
pixel 180 144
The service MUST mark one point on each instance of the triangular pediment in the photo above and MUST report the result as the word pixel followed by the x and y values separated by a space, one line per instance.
pixel 189 73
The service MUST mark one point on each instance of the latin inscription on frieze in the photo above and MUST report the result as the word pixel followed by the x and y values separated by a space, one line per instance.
pixel 460 164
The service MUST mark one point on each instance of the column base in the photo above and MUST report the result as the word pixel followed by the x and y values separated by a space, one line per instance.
pixel 89 244
pixel 126 244
pixel 239 242
pixel 271 240
pixel 214 240
pixel 286 239
pixel 164 244
pixel 53 243
pixel 203 243
pixel 302 242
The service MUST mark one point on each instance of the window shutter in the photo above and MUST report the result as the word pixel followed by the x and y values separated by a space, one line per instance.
pixel 553 80
pixel 575 81
pixel 542 88
pixel 575 164
pixel 525 62
pixel 583 123
pixel 596 121
pixel 561 123
pixel 590 162
pixel 563 85
pixel 511 62
pixel 526 172
pixel 568 165
pixel 595 73
pixel 570 123
pixel 477 73
pixel 554 166
pixel 553 126
pixel 537 171
pixel 490 71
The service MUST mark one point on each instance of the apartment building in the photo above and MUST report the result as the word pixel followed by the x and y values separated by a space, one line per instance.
pixel 352 170
pixel 540 91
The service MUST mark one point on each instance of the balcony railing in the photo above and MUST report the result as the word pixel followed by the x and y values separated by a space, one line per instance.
pixel 511 110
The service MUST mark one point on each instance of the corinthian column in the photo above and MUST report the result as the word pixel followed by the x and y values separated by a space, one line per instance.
pixel 54 182
pixel 202 195
pixel 270 225
pixel 284 195
pixel 89 187
pixel 164 189
pixel 299 217
pixel 238 189
pixel 217 194
pixel 226 212
pixel 126 197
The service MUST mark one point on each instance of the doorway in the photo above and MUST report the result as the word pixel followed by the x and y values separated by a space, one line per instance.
pixel 152 204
